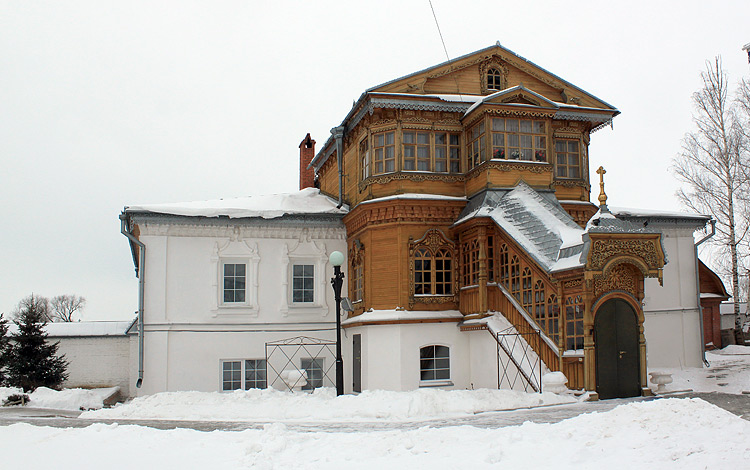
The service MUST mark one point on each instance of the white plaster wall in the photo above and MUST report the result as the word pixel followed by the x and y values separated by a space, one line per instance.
pixel 390 354
pixel 672 319
pixel 192 360
pixel 483 354
pixel 96 361
pixel 188 332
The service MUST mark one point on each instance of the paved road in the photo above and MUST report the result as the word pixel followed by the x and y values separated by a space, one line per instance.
pixel 737 404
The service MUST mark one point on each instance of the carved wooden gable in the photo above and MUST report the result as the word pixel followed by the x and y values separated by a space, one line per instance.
pixel 486 71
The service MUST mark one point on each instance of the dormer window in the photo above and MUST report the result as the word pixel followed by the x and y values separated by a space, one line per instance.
pixel 494 79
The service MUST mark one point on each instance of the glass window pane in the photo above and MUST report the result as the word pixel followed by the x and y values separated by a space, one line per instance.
pixel 525 126
pixel 228 269
pixel 511 125
pixel 423 138
pixel 539 127
pixel 498 124
pixel 408 137
pixel 442 351
pixel 454 139
pixel 440 139
pixel 239 269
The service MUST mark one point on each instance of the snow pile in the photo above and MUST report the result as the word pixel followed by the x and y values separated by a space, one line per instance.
pixel 305 201
pixel 67 399
pixel 323 405
pixel 729 372
pixel 665 434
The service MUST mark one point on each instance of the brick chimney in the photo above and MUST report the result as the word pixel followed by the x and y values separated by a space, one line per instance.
pixel 306 154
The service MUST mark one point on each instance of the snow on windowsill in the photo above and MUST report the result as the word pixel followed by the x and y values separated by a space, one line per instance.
pixel 435 383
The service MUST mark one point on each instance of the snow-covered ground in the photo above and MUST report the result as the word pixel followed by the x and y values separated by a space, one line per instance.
pixel 324 405
pixel 729 373
pixel 69 399
pixel 666 434
pixel 671 433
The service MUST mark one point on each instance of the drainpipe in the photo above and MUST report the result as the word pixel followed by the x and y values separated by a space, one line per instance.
pixel 338 134
pixel 140 273
pixel 698 289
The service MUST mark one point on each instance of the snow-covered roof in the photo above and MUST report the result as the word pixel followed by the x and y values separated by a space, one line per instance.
pixel 538 223
pixel 83 328
pixel 376 316
pixel 416 196
pixel 270 206
pixel 631 212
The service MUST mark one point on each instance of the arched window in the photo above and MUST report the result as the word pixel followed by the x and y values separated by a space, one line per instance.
pixel 539 308
pixel 494 79
pixel 470 262
pixel 434 363
pixel 527 293
pixel 432 267
pixel 423 269
pixel 574 322
pixel 515 277
pixel 504 265
pixel 443 270
pixel 553 318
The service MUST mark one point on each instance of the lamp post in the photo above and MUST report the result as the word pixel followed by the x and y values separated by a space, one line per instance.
pixel 337 259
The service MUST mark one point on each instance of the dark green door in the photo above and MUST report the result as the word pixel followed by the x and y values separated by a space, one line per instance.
pixel 617 361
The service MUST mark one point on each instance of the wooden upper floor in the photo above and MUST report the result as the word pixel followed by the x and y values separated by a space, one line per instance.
pixel 485 120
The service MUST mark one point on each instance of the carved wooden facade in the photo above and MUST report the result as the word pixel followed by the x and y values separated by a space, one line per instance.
pixel 416 149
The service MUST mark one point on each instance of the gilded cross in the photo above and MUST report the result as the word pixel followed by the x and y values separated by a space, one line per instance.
pixel 602 195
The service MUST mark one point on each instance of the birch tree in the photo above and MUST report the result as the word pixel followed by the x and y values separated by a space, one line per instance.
pixel 713 165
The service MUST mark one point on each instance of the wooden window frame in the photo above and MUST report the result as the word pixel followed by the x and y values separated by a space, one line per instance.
pixel 494 79
pixel 537 148
pixel 564 156
pixel 527 292
pixel 442 255
pixel 364 158
pixel 476 147
pixel 384 152
pixel 574 309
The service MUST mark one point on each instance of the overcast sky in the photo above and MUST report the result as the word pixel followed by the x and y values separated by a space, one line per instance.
pixel 105 104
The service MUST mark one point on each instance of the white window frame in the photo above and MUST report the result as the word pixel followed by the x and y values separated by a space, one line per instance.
pixel 304 252
pixel 243 372
pixel 435 382
pixel 235 252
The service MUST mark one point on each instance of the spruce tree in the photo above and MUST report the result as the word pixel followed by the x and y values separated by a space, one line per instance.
pixel 33 362
pixel 4 349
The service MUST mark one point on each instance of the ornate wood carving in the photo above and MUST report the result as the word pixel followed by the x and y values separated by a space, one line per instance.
pixel 510 165
pixel 604 249
pixel 493 63
pixel 572 284
pixel 433 239
pixel 422 211
pixel 623 277
pixel 571 184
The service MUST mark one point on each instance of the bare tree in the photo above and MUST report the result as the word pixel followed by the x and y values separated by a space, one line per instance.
pixel 63 307
pixel 36 303
pixel 713 165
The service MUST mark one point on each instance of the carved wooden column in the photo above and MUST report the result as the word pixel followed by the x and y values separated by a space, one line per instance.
pixel 482 278
pixel 589 356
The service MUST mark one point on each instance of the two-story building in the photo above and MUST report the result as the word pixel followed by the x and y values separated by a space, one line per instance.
pixel 469 194
pixel 475 257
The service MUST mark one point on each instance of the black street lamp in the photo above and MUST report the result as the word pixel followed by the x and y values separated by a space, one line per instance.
pixel 337 259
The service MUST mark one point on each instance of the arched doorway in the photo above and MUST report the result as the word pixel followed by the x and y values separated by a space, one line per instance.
pixel 617 359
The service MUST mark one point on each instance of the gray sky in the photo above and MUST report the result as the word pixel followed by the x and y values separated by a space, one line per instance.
pixel 105 104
